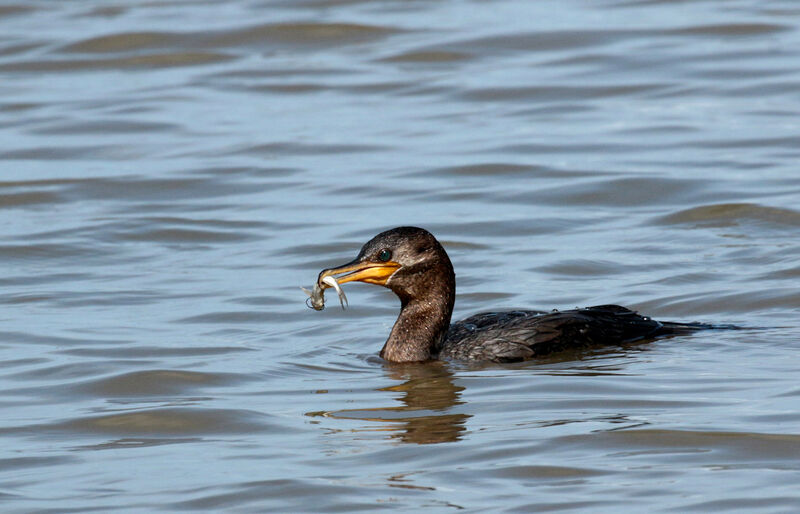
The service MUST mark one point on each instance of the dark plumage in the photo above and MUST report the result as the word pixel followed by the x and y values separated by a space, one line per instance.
pixel 415 266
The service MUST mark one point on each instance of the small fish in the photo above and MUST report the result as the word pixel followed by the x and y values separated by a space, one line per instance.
pixel 317 296
pixel 339 291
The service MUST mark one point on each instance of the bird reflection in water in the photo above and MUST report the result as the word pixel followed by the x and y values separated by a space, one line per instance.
pixel 427 394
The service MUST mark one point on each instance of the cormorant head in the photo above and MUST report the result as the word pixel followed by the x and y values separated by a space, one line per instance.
pixel 407 260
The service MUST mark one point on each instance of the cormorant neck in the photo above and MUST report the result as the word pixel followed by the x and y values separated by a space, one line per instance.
pixel 423 322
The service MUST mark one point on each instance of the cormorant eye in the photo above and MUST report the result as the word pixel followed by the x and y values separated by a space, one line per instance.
pixel 385 255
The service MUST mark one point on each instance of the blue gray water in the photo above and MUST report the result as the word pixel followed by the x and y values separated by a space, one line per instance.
pixel 171 172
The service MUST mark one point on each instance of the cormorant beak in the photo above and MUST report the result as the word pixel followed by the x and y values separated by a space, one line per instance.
pixel 361 271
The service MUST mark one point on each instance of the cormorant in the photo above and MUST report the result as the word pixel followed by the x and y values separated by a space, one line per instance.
pixel 414 265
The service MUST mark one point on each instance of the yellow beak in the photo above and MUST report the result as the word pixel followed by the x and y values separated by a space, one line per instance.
pixel 369 272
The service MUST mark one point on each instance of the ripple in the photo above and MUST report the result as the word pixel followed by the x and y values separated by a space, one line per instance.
pixel 301 149
pixel 138 442
pixel 109 126
pixel 140 62
pixel 713 302
pixel 235 317
pixel 155 351
pixel 732 29
pixel 61 153
pixel 29 338
pixel 587 267
pixel 170 421
pixel 511 228
pixel 557 93
pixel 52 251
pixel 547 472
pixel 428 56
pixel 480 170
pixel 617 191
pixel 541 41
pixel 789 142
pixel 159 382
pixel 294 35
pixel 18 463
pixel 302 34
pixel 721 445
pixel 137 188
pixel 124 42
pixel 14 10
pixel 63 372
pixel 731 214
pixel 178 235
pixel 279 492
pixel 25 199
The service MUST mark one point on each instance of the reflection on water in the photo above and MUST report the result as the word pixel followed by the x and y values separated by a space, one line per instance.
pixel 427 393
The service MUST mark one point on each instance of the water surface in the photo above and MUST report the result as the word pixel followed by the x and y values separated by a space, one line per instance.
pixel 171 172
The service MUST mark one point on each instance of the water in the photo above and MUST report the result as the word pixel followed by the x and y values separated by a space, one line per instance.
pixel 171 172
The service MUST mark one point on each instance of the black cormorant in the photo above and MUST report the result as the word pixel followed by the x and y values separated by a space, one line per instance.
pixel 413 264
